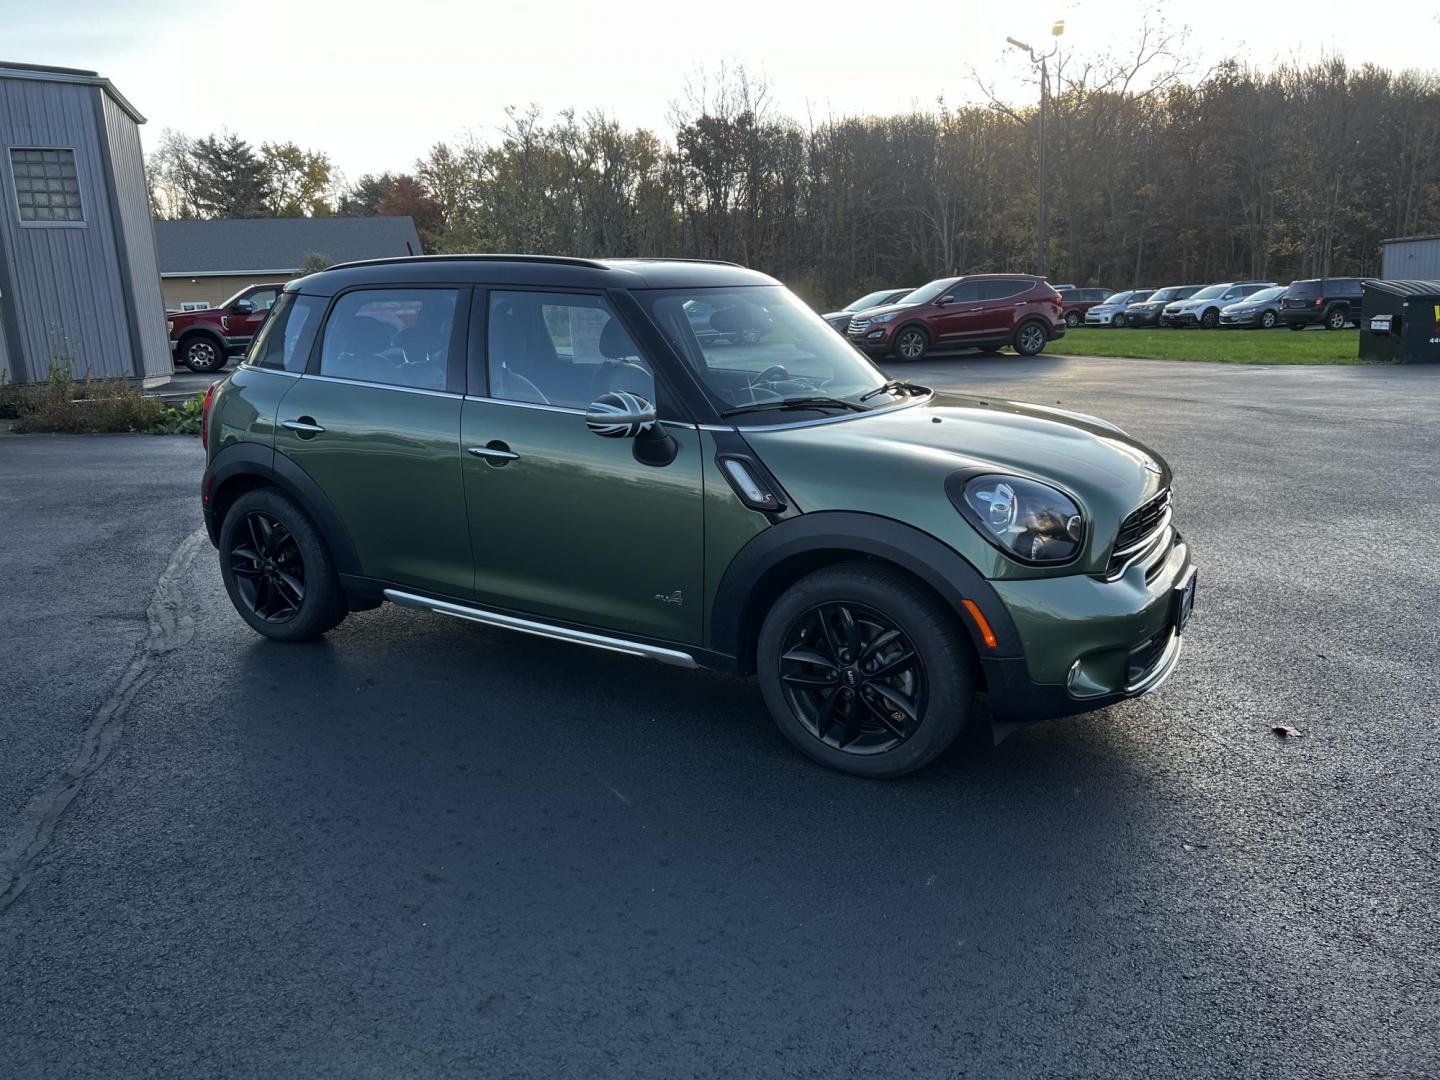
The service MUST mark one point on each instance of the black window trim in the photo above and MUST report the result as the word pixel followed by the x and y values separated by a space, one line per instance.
pixel 20 220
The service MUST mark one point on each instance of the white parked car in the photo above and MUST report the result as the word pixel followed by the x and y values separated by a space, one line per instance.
pixel 1203 309
pixel 1112 311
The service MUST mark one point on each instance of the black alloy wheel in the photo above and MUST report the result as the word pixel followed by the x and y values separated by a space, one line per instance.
pixel 269 568
pixel 1210 319
pixel 853 678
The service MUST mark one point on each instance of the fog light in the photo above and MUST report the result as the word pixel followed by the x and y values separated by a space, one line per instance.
pixel 876 335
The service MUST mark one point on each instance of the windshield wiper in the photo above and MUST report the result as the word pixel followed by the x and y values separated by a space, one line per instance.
pixel 894 385
pixel 816 402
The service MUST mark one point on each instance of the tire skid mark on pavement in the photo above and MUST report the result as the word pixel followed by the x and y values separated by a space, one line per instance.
pixel 171 625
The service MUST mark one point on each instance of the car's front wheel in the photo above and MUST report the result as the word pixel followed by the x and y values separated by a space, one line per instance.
pixel 1267 320
pixel 911 343
pixel 865 671
pixel 1210 319
pixel 1118 321
pixel 202 353
pixel 277 569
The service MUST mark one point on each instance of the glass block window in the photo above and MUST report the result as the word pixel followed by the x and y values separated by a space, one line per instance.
pixel 46 187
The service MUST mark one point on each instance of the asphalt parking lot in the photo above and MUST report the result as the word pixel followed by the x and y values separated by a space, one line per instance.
pixel 424 848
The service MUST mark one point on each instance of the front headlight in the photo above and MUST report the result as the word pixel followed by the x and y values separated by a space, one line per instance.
pixel 883 318
pixel 1027 520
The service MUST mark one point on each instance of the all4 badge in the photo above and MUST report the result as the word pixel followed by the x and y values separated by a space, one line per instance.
pixel 677 597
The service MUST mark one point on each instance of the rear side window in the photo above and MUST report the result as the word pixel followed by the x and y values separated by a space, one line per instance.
pixel 284 341
pixel 1002 290
pixel 1303 288
pixel 394 337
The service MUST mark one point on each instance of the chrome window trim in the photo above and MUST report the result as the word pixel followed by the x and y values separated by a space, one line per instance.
pixel 525 404
pixel 542 629
pixel 380 385
pixel 248 366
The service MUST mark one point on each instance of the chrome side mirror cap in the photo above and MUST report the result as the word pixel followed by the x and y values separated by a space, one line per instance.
pixel 620 415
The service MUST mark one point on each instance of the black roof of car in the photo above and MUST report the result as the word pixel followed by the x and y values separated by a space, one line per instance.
pixel 553 270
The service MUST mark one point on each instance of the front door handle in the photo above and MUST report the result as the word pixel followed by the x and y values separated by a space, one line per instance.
pixel 975 309
pixel 304 426
pixel 495 453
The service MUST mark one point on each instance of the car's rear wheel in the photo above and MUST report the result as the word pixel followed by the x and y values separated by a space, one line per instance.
pixel 1267 320
pixel 277 569
pixel 1072 319
pixel 1210 319
pixel 864 671
pixel 1337 319
pixel 202 353
pixel 911 343
pixel 1030 338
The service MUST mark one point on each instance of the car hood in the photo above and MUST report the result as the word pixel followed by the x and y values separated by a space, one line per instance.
pixel 895 462
pixel 884 309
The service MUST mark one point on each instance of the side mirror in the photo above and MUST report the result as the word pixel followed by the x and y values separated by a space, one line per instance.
pixel 623 415
pixel 619 415
pixel 944 300
pixel 242 307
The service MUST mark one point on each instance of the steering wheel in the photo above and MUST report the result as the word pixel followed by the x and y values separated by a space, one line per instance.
pixel 771 374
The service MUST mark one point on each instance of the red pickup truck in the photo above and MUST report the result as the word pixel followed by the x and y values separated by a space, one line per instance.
pixel 204 340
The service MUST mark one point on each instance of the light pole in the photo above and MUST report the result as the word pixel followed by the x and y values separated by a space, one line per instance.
pixel 1043 61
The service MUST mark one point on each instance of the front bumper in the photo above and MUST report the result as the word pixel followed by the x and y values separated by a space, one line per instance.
pixel 1089 643
pixel 1141 318
pixel 1103 318
pixel 1179 318
pixel 1251 318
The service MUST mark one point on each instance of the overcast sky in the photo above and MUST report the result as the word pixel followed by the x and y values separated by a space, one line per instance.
pixel 376 83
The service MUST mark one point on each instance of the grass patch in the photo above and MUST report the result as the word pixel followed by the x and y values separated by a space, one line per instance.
pixel 1217 346
pixel 63 405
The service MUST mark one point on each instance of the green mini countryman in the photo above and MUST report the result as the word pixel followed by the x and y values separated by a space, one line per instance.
pixel 680 461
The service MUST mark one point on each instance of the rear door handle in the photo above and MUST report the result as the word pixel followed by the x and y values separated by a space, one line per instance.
pixel 305 425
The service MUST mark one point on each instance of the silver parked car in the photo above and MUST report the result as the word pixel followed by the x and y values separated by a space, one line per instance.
pixel 839 320
pixel 1258 311
pixel 1112 311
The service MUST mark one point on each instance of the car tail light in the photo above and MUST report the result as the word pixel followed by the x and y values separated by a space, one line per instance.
pixel 205 413
pixel 1319 301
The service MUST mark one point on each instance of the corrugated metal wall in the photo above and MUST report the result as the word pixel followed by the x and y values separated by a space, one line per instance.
pixel 67 301
pixel 1411 260
pixel 132 195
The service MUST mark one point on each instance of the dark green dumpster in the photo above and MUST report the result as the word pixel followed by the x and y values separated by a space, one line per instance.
pixel 1400 322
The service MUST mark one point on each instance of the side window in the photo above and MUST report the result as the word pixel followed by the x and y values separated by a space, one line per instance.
pixel 263 299
pixel 1002 290
pixel 562 349
pixel 965 292
pixel 285 338
pixel 397 337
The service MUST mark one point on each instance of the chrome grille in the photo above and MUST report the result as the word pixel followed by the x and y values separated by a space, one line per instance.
pixel 1137 532
pixel 859 326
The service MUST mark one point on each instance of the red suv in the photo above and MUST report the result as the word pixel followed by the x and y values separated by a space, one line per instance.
pixel 203 340
pixel 978 311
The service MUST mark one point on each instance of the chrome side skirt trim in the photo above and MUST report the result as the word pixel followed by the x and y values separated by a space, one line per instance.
pixel 540 629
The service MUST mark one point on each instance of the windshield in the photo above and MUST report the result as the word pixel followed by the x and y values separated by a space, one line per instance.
pixel 925 293
pixel 1117 298
pixel 1161 295
pixel 1210 292
pixel 760 345
pixel 1264 295
pixel 869 300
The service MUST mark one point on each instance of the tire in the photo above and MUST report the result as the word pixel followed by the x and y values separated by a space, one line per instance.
pixel 911 343
pixel 1210 319
pixel 866 726
pixel 1118 322
pixel 268 547
pixel 1030 338
pixel 1336 319
pixel 1267 320
pixel 1072 319
pixel 202 353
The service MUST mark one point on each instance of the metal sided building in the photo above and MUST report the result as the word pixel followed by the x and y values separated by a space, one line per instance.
pixel 1410 258
pixel 79 278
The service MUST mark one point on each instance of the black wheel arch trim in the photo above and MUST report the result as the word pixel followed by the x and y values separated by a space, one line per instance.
pixel 248 459
pixel 937 564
